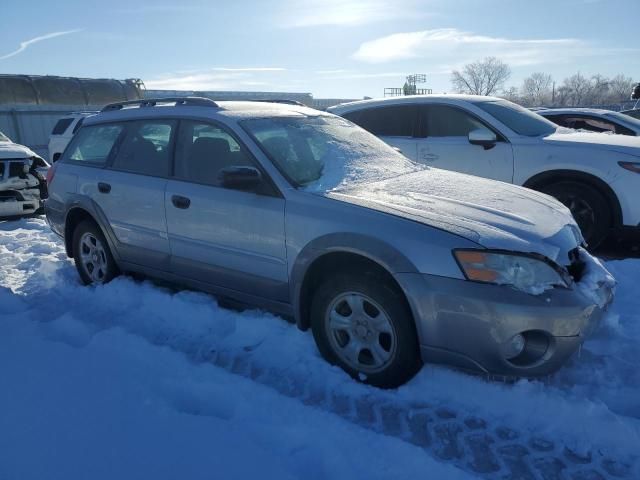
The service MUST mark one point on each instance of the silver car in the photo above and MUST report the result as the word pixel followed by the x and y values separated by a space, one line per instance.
pixel 389 262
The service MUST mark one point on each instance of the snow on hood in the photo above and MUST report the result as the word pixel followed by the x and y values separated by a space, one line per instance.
pixel 10 151
pixel 493 214
pixel 603 141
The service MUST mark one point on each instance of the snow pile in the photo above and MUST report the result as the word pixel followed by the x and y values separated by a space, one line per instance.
pixel 567 131
pixel 86 394
pixel 98 386
pixel 594 279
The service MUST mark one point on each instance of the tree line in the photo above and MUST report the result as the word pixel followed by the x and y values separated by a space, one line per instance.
pixel 489 76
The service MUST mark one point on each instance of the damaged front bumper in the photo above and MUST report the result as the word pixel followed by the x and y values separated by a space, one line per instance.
pixel 471 325
pixel 22 188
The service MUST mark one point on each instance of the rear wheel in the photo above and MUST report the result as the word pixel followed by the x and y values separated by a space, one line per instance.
pixel 588 206
pixel 91 254
pixel 365 327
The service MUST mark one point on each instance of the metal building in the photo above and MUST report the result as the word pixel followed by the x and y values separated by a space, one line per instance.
pixel 301 97
pixel 30 105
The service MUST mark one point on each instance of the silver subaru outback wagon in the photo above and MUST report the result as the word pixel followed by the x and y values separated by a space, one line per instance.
pixel 390 263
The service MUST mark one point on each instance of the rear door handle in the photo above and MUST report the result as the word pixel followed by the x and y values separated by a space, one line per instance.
pixel 180 202
pixel 104 187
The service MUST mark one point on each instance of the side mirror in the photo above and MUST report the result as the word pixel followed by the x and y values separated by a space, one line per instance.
pixel 483 137
pixel 396 149
pixel 240 178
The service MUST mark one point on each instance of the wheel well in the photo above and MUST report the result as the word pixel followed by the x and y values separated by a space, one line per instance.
pixel 544 179
pixel 337 262
pixel 74 217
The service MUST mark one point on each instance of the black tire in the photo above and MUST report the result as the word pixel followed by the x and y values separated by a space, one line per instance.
pixel 104 258
pixel 588 206
pixel 405 360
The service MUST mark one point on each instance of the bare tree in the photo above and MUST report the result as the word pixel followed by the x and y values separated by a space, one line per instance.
pixel 481 78
pixel 536 89
pixel 620 88
pixel 599 90
pixel 575 90
pixel 512 94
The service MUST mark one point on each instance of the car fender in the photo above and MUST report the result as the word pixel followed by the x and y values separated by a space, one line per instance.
pixel 88 205
pixel 373 249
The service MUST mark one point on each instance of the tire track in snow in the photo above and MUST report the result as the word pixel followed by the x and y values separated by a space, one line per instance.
pixel 473 443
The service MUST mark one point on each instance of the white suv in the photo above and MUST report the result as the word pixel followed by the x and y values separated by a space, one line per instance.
pixel 596 175
pixel 63 132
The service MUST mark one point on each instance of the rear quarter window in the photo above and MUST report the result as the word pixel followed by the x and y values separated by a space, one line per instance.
pixel 61 126
pixel 93 144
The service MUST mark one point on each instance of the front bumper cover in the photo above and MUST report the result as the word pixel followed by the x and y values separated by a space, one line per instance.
pixel 21 193
pixel 467 324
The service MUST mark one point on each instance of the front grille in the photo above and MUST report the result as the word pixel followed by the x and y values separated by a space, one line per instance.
pixel 11 168
pixel 8 195
pixel 16 169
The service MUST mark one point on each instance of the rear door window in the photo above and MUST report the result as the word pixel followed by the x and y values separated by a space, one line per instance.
pixel 93 145
pixel 61 126
pixel 446 121
pixel 146 148
pixel 387 121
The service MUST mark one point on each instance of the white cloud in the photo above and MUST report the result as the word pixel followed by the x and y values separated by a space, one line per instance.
pixel 24 45
pixel 348 12
pixel 439 46
pixel 249 69
pixel 216 78
pixel 356 75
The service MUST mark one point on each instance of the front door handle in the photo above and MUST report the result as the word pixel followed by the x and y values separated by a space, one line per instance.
pixel 180 202
pixel 430 157
pixel 104 187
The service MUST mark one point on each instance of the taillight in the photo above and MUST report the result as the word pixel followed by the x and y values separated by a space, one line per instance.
pixel 51 173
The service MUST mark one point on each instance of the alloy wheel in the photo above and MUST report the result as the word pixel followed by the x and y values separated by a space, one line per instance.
pixel 93 257
pixel 360 332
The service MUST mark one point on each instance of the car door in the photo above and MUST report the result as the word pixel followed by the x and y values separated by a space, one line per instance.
pixel 396 125
pixel 444 143
pixel 227 237
pixel 130 191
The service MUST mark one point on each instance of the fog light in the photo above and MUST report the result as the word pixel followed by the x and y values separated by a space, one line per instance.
pixel 515 346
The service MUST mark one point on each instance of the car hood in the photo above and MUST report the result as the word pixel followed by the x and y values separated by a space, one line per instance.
pixel 10 151
pixel 493 214
pixel 592 140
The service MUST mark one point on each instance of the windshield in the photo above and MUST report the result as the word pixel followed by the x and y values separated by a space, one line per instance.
pixel 518 119
pixel 324 153
pixel 4 138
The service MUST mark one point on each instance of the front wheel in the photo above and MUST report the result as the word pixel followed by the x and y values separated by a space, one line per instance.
pixel 91 254
pixel 364 326
pixel 588 206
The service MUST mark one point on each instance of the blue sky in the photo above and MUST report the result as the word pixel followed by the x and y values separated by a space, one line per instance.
pixel 331 48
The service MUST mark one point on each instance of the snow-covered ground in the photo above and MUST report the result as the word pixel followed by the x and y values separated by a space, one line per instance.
pixel 133 380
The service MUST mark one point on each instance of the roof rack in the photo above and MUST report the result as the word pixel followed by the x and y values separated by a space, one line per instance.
pixel 151 102
pixel 284 101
